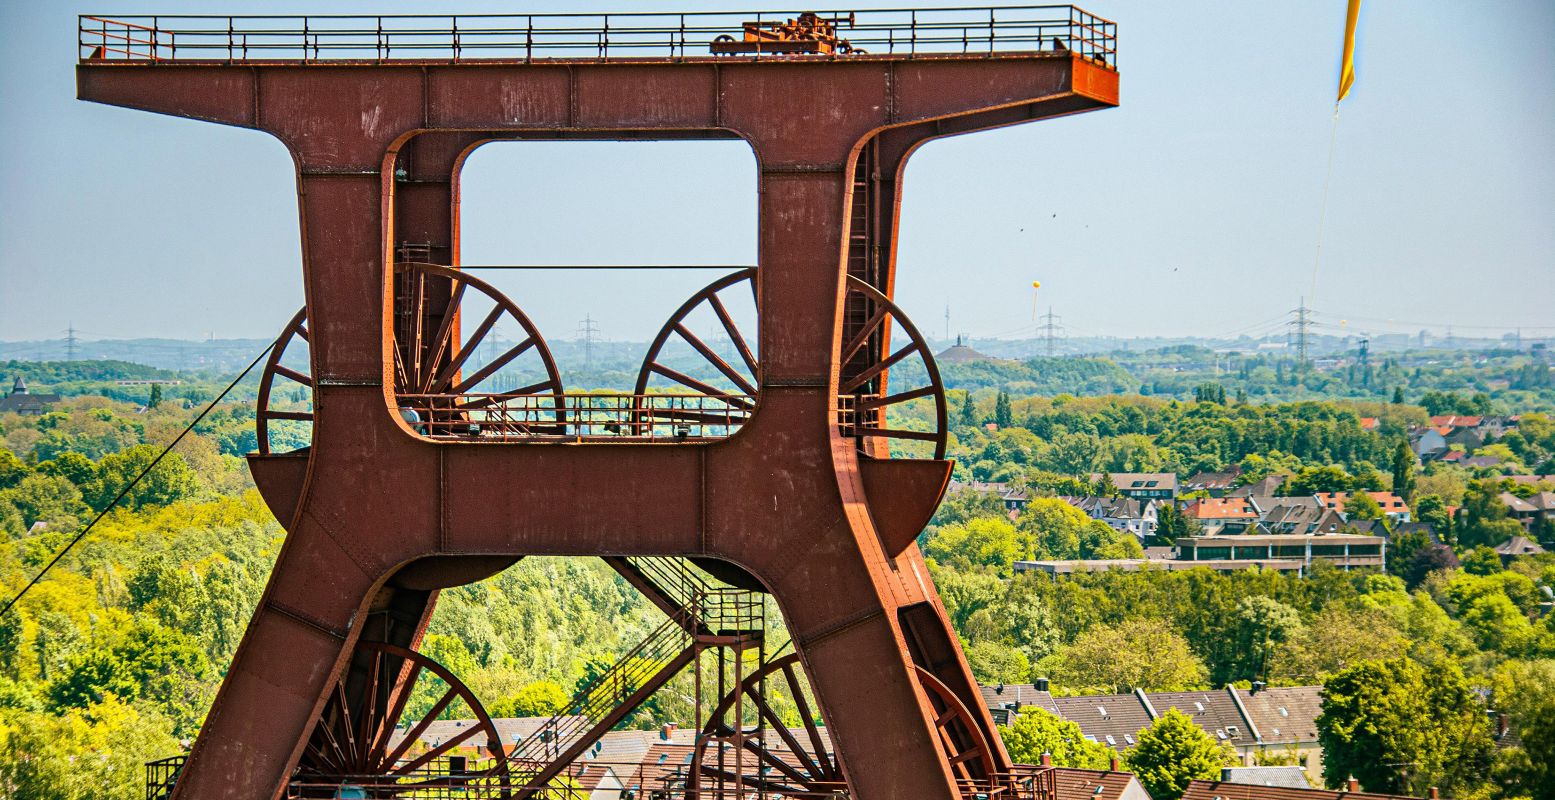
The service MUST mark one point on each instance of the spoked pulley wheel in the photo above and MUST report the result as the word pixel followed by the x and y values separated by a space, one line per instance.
pixel 365 739
pixel 272 382
pixel 451 377
pixel 863 393
pixel 448 371
pixel 961 740
pixel 731 759
pixel 739 370
pixel 865 398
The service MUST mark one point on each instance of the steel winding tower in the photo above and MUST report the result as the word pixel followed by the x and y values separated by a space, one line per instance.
pixel 778 476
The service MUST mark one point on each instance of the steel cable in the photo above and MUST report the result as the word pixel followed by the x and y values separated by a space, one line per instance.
pixel 132 484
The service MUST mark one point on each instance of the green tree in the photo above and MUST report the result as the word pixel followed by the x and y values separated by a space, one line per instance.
pixel 1003 415
pixel 1525 692
pixel 539 699
pixel 1483 518
pixel 1262 624
pixel 169 481
pixel 1173 752
pixel 994 662
pixel 12 469
pixel 1135 654
pixel 1481 560
pixel 1398 395
pixel 1036 732
pixel 156 396
pixel 1403 470
pixel 151 663
pixel 1361 506
pixel 968 417
pixel 1399 729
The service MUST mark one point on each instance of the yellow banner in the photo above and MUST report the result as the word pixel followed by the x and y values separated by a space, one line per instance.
pixel 1347 66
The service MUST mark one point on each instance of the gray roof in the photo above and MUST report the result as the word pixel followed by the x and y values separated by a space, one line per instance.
pixel 1213 711
pixel 1290 777
pixel 1022 695
pixel 1119 716
pixel 1284 714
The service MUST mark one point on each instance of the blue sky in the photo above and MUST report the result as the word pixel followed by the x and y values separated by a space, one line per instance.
pixel 1192 209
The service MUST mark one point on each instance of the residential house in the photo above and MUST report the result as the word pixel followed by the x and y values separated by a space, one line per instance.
pixel 1297 515
pixel 1519 509
pixel 21 401
pixel 1261 488
pixel 1290 777
pixel 1428 443
pixel 1005 700
pixel 1223 515
pixel 1215 712
pixel 1283 720
pixel 1412 527
pixel 1114 720
pixel 1394 509
pixel 1144 485
pixel 1225 790
pixel 1120 513
pixel 1343 550
pixel 1014 499
pixel 1517 547
pixel 1068 567
pixel 1263 721
pixel 1214 484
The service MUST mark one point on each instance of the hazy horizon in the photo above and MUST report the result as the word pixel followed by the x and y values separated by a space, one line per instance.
pixel 1191 210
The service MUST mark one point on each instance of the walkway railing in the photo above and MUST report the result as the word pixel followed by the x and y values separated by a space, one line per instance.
pixel 600 417
pixel 533 37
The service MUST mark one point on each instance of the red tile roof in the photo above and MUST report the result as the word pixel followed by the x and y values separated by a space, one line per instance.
pixel 1221 508
pixel 1090 784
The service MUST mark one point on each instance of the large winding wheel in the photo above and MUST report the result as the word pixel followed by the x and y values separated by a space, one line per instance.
pixel 364 739
pixel 446 372
pixel 769 758
pixel 730 405
pixel 276 376
pixel 965 747
pixel 864 399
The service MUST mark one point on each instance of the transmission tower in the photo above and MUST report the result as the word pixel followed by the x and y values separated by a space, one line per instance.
pixel 70 342
pixel 1299 326
pixel 1364 356
pixel 1051 330
pixel 588 332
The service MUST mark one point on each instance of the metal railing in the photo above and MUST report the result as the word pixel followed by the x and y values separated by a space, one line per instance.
pixel 565 417
pixel 534 37
pixel 161 774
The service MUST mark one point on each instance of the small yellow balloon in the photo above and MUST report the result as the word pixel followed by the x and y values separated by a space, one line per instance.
pixel 1036 284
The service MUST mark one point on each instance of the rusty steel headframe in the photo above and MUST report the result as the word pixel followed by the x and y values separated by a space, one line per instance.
pixel 380 114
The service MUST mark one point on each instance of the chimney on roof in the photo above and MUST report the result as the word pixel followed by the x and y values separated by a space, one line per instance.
pixel 667 731
pixel 1047 759
pixel 1258 686
pixel 1432 793
pixel 1503 724
pixel 1352 785
pixel 1113 765
pixel 1041 684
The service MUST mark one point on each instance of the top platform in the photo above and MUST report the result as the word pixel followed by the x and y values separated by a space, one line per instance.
pixel 573 37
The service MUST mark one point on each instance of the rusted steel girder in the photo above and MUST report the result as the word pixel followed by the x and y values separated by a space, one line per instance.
pixel 788 499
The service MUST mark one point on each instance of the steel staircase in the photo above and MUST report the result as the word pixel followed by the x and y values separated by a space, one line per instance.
pixel 701 615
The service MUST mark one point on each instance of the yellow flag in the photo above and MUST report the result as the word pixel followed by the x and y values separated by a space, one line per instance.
pixel 1347 66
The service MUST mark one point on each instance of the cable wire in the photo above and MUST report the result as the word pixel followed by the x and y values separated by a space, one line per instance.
pixel 131 485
